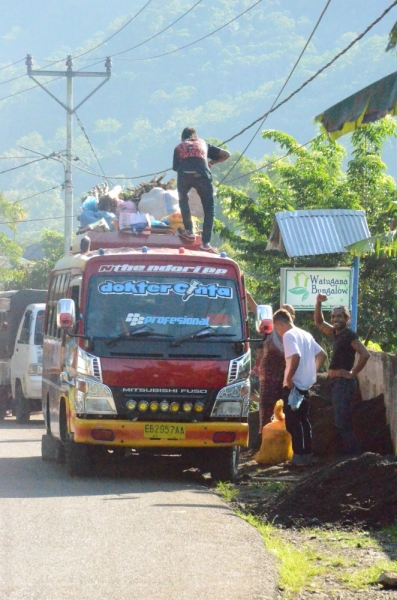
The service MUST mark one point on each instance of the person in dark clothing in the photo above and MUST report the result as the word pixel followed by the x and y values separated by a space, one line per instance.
pixel 341 371
pixel 193 158
pixel 271 368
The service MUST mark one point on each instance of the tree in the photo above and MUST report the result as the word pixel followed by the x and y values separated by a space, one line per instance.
pixel 37 276
pixel 309 178
pixel 10 252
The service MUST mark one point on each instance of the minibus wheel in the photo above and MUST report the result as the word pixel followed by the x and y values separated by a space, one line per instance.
pixel 22 406
pixel 224 465
pixel 77 458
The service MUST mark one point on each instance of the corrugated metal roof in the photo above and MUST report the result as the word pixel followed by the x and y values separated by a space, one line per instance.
pixel 313 232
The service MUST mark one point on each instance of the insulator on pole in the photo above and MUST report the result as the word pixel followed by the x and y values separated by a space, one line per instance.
pixel 69 62
pixel 108 64
pixel 29 62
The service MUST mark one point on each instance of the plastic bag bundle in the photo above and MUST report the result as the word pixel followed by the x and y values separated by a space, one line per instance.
pixel 276 444
pixel 159 202
pixel 133 221
pixel 175 221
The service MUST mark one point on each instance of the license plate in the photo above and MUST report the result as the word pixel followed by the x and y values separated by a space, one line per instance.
pixel 164 432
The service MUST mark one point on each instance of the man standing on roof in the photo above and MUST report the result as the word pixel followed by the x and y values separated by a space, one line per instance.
pixel 193 158
pixel 341 371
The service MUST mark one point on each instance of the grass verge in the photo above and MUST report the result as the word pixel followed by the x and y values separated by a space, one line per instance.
pixel 296 567
pixel 364 577
pixel 227 490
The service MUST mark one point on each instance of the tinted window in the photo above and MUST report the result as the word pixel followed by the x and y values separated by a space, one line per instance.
pixel 25 331
pixel 38 331
pixel 58 290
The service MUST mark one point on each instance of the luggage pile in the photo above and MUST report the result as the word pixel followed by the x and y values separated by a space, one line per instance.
pixel 152 204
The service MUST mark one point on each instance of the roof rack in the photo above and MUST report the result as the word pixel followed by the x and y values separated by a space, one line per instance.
pixel 151 237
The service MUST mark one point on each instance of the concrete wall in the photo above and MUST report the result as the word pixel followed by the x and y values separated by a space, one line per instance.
pixel 379 376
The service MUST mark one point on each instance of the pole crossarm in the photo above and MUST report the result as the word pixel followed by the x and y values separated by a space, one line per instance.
pixel 69 73
pixel 70 110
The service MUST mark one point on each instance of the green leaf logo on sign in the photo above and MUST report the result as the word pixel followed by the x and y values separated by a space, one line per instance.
pixel 300 291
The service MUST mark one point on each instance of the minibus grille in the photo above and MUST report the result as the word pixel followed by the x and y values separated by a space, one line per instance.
pixel 199 405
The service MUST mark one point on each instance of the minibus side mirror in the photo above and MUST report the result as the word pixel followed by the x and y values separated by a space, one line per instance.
pixel 264 319
pixel 66 313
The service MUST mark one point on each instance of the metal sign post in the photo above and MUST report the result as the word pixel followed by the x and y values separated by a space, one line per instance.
pixel 355 282
pixel 69 74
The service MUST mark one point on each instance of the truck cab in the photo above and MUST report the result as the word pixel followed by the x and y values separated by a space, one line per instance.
pixel 27 363
pixel 18 336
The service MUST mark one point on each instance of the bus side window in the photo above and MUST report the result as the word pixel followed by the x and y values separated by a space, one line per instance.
pixel 75 296
pixel 50 303
pixel 58 290
pixel 62 291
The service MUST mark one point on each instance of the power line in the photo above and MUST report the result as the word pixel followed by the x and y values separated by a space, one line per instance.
pixel 12 64
pixel 195 41
pixel 25 164
pixel 159 32
pixel 280 92
pixel 38 194
pixel 336 57
pixel 116 32
pixel 33 87
pixel 115 177
pixel 148 39
pixel 275 107
pixel 269 164
pixel 33 220
pixel 90 145
pixel 13 79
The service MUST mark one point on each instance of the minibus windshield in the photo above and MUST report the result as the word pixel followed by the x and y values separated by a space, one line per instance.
pixel 176 306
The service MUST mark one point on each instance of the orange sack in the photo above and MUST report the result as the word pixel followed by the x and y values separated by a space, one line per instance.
pixel 276 444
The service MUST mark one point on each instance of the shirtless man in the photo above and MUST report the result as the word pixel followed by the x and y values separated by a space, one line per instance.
pixel 342 371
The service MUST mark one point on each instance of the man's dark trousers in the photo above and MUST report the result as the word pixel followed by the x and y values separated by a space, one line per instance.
pixel 205 189
pixel 298 424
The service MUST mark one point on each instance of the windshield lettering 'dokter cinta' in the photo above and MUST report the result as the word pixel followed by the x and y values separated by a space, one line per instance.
pixel 184 289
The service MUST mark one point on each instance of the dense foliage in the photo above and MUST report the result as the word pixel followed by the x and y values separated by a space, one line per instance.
pixel 35 275
pixel 309 178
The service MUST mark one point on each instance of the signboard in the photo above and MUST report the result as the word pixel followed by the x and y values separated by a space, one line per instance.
pixel 299 287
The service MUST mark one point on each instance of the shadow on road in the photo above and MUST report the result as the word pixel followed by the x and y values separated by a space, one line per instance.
pixel 30 477
pixel 10 423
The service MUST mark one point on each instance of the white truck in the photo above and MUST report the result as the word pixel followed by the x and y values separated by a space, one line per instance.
pixel 21 339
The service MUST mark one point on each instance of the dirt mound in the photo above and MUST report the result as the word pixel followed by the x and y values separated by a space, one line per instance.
pixel 360 491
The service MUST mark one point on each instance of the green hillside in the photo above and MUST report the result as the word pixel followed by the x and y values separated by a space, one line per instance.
pixel 219 84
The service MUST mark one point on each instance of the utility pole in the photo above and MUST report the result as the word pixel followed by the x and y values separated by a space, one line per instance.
pixel 69 74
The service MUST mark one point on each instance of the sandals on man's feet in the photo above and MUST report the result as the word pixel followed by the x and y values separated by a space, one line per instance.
pixel 187 236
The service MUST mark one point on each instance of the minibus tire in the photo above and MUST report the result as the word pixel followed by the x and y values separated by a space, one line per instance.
pixel 77 459
pixel 224 465
pixel 48 447
pixel 22 406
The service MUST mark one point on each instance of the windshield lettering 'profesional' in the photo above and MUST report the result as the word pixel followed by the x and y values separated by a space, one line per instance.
pixel 170 306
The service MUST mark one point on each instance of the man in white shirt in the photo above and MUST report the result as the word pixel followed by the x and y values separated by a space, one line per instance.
pixel 304 357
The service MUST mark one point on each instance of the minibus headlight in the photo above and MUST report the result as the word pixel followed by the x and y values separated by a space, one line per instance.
pixel 93 397
pixel 232 400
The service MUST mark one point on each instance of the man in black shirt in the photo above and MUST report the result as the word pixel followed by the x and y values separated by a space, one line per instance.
pixel 341 370
pixel 193 158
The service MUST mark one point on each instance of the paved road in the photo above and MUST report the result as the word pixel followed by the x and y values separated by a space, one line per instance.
pixel 146 531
